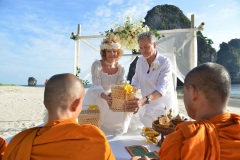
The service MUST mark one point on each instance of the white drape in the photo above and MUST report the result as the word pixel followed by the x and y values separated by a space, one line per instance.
pixel 181 49
pixel 179 45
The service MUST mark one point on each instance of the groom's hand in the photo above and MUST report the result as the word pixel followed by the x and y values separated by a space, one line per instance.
pixel 134 105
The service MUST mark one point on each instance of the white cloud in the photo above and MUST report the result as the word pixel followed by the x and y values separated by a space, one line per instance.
pixel 134 9
pixel 211 5
pixel 107 16
pixel 131 11
pixel 118 2
pixel 229 12
pixel 103 11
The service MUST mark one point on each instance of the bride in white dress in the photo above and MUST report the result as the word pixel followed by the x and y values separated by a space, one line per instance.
pixel 105 73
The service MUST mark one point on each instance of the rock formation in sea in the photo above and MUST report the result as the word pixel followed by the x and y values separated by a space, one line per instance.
pixel 32 81
pixel 229 56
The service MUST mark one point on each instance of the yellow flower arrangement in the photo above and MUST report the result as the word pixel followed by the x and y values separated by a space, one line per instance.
pixel 128 88
pixel 93 107
pixel 128 32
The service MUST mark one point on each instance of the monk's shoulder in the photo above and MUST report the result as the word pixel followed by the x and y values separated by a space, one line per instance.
pixel 21 135
pixel 89 129
pixel 2 141
pixel 235 117
pixel 188 127
pixel 27 131
pixel 3 144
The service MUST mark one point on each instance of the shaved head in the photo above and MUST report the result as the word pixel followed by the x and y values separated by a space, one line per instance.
pixel 61 91
pixel 212 79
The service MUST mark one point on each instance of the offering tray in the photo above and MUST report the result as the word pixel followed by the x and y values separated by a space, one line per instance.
pixel 163 130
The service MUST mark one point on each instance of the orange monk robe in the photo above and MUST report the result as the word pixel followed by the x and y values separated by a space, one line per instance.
pixel 60 140
pixel 3 146
pixel 216 138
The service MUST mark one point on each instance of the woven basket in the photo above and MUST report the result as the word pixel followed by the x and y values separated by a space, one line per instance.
pixel 120 97
pixel 89 117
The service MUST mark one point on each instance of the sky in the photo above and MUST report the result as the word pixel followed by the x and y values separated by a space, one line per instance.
pixel 35 34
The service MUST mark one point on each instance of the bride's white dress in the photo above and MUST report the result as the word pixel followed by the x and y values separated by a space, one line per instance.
pixel 102 82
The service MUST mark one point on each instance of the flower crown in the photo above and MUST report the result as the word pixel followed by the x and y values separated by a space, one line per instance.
pixel 110 46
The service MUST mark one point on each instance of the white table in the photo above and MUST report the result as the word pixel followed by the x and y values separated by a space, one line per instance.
pixel 118 143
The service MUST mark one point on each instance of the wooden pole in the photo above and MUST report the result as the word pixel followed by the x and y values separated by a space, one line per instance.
pixel 194 45
pixel 78 44
pixel 79 29
pixel 192 21
pixel 76 54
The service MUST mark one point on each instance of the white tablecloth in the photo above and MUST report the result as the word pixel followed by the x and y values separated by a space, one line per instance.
pixel 118 143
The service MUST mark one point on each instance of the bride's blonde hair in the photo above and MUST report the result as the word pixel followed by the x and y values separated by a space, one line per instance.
pixel 110 43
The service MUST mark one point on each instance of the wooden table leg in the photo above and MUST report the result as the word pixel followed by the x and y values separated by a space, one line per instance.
pixel 161 140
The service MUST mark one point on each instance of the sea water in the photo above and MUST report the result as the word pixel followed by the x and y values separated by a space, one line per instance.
pixel 235 91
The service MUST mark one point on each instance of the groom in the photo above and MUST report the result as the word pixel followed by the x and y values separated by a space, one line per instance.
pixel 153 75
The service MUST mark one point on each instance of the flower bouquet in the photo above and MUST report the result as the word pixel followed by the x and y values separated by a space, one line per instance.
pixel 128 32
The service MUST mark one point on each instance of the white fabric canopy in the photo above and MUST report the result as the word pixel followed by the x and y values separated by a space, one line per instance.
pixel 181 48
pixel 180 45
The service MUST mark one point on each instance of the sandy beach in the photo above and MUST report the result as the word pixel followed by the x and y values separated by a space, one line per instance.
pixel 22 107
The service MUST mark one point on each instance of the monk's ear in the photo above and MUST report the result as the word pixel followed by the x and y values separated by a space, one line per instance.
pixel 194 92
pixel 75 104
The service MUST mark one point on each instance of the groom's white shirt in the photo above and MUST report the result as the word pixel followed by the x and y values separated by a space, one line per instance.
pixel 160 79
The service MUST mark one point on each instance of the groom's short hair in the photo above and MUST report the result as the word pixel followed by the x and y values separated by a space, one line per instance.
pixel 148 35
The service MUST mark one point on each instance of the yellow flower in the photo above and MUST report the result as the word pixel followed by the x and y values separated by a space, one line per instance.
pixel 93 107
pixel 128 88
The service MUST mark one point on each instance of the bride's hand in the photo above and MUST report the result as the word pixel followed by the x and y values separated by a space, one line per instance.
pixel 107 98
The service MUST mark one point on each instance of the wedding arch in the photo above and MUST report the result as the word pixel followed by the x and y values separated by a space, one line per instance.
pixel 179 45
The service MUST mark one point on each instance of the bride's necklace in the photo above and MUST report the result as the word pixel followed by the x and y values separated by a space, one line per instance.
pixel 109 65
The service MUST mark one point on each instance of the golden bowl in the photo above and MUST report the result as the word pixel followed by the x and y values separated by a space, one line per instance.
pixel 150 135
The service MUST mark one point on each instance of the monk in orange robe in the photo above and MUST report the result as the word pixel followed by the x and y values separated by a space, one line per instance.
pixel 215 133
pixel 62 138
pixel 3 145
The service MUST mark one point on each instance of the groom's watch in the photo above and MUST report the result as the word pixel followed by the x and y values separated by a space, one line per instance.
pixel 148 100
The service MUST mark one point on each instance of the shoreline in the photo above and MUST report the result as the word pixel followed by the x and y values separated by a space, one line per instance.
pixel 179 89
pixel 22 107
